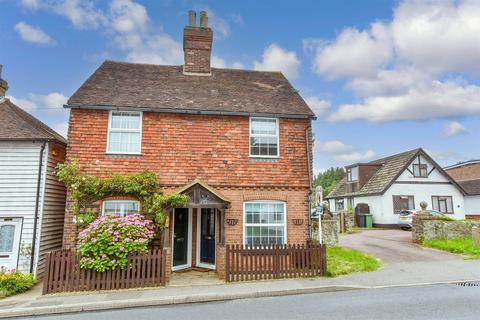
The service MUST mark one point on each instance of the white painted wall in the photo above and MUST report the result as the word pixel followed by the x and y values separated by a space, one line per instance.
pixel 18 185
pixel 472 205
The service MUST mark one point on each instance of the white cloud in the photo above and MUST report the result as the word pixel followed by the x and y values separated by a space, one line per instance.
pixel 318 106
pixel 354 53
pixel 238 65
pixel 423 101
pixel 403 69
pixel 25 104
pixel 218 62
pixel 128 17
pixel 332 147
pixel 220 26
pixel 61 128
pixel 50 102
pixel 30 4
pixel 33 34
pixel 454 128
pixel 342 152
pixel 276 58
pixel 356 156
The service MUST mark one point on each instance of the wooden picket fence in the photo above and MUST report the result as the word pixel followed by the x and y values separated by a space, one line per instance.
pixel 245 263
pixel 63 273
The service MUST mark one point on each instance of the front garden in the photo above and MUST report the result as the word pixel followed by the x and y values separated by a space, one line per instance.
pixel 342 261
pixel 462 246
pixel 14 282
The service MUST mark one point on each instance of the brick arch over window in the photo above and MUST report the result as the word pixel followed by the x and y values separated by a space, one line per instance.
pixel 266 195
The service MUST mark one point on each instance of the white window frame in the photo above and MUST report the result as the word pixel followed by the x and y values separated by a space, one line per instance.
pixel 285 220
pixel 277 123
pixel 110 129
pixel 120 200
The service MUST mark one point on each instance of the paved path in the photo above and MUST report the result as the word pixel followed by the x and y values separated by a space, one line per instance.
pixel 428 302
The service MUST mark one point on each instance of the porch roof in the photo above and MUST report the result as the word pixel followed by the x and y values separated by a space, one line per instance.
pixel 198 184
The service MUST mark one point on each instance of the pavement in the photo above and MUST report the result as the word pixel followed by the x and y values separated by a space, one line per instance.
pixel 404 264
pixel 427 302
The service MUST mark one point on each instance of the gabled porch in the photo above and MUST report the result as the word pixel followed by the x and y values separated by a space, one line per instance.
pixel 195 236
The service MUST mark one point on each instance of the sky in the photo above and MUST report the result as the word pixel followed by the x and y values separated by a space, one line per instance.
pixel 382 76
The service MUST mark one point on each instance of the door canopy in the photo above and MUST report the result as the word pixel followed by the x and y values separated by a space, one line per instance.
pixel 203 196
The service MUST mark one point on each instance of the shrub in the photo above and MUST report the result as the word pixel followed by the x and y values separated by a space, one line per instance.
pixel 14 282
pixel 106 243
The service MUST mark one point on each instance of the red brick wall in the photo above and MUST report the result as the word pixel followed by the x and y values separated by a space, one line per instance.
pixel 180 148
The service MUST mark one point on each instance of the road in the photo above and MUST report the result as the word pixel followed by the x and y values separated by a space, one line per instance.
pixel 425 302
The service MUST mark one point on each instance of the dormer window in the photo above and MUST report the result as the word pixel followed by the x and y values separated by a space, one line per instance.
pixel 420 170
pixel 352 174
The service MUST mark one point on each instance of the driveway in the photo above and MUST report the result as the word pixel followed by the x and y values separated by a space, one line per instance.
pixel 393 246
pixel 405 262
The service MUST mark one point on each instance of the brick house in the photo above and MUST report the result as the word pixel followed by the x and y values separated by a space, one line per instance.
pixel 239 142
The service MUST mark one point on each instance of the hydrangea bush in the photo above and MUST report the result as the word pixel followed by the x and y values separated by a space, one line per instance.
pixel 13 282
pixel 106 243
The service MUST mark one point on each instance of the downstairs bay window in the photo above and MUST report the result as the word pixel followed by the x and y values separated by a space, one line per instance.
pixel 264 223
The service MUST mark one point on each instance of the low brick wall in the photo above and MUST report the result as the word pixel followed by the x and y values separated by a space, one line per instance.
pixel 426 227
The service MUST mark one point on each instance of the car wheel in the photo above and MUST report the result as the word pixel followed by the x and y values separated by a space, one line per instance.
pixel 405 228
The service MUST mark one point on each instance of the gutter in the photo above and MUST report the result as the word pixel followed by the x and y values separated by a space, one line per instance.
pixel 309 215
pixel 37 207
pixel 189 111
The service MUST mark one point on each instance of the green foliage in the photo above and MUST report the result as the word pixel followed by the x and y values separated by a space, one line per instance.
pixel 459 246
pixel 341 261
pixel 329 179
pixel 106 243
pixel 87 189
pixel 14 282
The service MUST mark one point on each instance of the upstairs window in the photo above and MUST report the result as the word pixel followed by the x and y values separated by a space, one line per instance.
pixel 420 170
pixel 264 137
pixel 124 132
pixel 352 174
pixel 120 208
pixel 443 204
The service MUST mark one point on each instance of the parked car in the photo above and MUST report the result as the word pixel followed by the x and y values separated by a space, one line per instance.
pixel 406 217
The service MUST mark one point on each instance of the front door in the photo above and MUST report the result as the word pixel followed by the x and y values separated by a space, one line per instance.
pixel 207 236
pixel 10 231
pixel 181 239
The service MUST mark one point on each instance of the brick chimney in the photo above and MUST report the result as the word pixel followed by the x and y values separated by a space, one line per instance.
pixel 197 45
pixel 3 85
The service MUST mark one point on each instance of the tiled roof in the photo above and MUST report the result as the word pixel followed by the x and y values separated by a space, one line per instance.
pixel 391 167
pixel 471 187
pixel 167 89
pixel 17 124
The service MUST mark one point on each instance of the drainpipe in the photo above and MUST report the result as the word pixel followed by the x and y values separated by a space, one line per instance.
pixel 309 223
pixel 37 207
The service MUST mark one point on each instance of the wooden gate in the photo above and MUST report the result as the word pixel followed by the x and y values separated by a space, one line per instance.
pixel 63 273
pixel 274 262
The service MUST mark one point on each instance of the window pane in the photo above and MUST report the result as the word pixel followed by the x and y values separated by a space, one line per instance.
pixel 125 120
pixel 264 126
pixel 124 142
pixel 120 208
pixel 7 234
pixel 264 223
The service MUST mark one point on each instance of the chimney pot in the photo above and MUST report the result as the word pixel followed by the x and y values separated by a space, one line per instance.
pixel 203 19
pixel 192 18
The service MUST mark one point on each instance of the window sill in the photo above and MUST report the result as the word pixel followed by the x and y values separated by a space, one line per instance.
pixel 262 159
pixel 123 155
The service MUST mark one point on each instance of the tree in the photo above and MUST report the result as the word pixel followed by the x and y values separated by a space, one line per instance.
pixel 329 179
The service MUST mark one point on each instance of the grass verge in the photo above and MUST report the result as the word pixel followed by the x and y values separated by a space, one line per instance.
pixel 342 261
pixel 460 246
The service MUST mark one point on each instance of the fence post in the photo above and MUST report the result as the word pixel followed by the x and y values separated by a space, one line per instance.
pixel 227 263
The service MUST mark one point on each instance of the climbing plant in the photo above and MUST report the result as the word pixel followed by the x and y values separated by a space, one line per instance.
pixel 86 189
